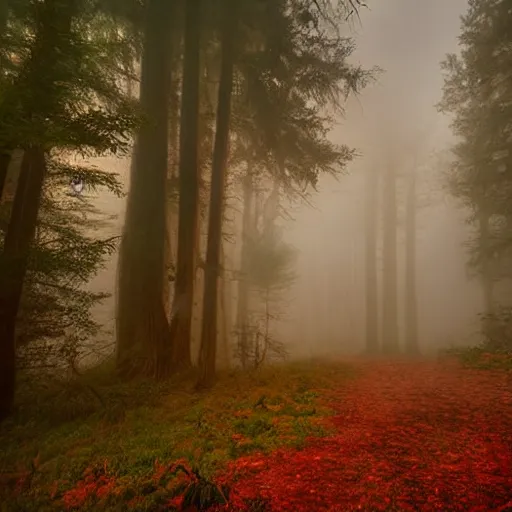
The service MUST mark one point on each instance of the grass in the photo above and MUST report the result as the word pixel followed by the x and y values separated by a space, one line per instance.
pixel 482 358
pixel 61 435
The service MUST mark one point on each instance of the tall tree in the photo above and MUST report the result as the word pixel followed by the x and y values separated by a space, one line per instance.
pixel 207 357
pixel 242 322
pixel 484 236
pixel 478 93
pixel 188 216
pixel 411 297
pixel 5 153
pixel 142 328
pixel 390 342
pixel 40 78
pixel 372 313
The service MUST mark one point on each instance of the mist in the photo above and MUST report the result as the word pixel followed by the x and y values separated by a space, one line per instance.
pixel 324 311
pixel 407 40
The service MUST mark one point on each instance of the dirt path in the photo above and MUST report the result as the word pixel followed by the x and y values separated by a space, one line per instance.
pixel 409 436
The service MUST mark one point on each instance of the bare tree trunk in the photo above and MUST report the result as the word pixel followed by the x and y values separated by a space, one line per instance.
pixel 411 298
pixel 171 238
pixel 486 273
pixel 5 158
pixel 5 154
pixel 142 329
pixel 372 318
pixel 188 217
pixel 243 285
pixel 224 318
pixel 390 342
pixel 13 266
pixel 207 356
pixel 4 14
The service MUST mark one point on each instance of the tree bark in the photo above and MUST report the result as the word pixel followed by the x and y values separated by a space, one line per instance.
pixel 142 330
pixel 390 342
pixel 224 313
pixel 5 154
pixel 372 314
pixel 487 281
pixel 411 297
pixel 188 216
pixel 486 276
pixel 242 320
pixel 207 356
pixel 5 158
pixel 13 266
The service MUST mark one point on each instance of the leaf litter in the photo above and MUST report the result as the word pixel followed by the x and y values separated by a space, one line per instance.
pixel 428 436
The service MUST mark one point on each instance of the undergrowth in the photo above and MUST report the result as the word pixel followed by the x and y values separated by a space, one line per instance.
pixel 482 358
pixel 100 444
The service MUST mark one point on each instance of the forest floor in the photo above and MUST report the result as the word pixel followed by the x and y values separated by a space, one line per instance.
pixel 363 435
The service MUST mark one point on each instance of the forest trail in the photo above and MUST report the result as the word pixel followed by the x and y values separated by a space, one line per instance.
pixel 409 436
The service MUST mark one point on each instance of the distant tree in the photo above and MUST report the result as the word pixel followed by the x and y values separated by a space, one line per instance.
pixel 372 313
pixel 390 336
pixel 189 182
pixel 279 111
pixel 478 93
pixel 411 296
pixel 271 272
pixel 242 321
pixel 208 350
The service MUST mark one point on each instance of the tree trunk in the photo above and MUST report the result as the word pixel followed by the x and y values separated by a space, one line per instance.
pixel 5 154
pixel 487 280
pixel 188 216
pixel 390 342
pixel 54 18
pixel 411 299
pixel 142 329
pixel 486 277
pixel 207 356
pixel 5 158
pixel 372 314
pixel 13 266
pixel 243 284
pixel 224 317
pixel 172 174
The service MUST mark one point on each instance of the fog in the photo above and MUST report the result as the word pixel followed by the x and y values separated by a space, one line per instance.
pixel 325 306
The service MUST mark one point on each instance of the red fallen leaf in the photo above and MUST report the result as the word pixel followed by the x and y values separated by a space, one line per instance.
pixel 414 436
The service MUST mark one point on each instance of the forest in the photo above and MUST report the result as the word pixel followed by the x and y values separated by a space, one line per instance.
pixel 261 354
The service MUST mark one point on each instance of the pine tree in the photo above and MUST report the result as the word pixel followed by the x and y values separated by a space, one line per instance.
pixel 478 93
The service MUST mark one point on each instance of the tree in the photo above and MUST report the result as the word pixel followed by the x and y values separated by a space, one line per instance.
pixel 54 101
pixel 207 356
pixel 188 223
pixel 55 327
pixel 242 323
pixel 390 342
pixel 142 328
pixel 271 272
pixel 478 93
pixel 372 314
pixel 52 37
pixel 289 73
pixel 411 298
